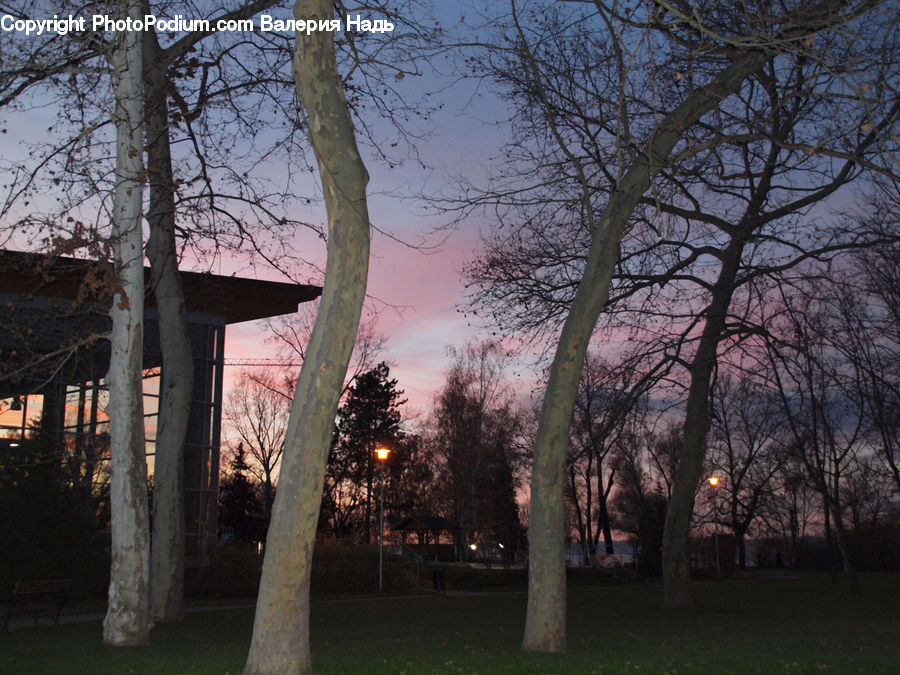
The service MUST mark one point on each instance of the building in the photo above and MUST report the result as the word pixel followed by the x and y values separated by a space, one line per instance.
pixel 54 356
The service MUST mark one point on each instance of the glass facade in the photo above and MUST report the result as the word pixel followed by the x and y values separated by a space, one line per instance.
pixel 73 415
pixel 54 355
pixel 201 450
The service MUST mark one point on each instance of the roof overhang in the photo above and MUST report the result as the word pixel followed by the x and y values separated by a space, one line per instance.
pixel 54 314
pixel 236 299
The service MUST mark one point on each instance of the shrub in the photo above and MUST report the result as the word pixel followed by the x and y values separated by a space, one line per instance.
pixel 234 574
pixel 46 530
pixel 340 568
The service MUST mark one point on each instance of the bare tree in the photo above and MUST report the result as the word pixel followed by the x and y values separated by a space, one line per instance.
pixel 745 451
pixel 869 321
pixel 292 333
pixel 257 413
pixel 591 170
pixel 477 430
pixel 791 510
pixel 604 419
pixel 211 97
pixel 128 619
pixel 831 354
pixel 545 621
pixel 173 75
pixel 572 183
pixel 172 66
pixel 645 466
pixel 281 625
pixel 826 426
pixel 202 94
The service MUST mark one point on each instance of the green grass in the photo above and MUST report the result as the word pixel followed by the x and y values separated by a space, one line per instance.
pixel 747 625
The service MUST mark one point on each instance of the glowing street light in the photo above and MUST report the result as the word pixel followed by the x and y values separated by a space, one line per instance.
pixel 714 484
pixel 382 454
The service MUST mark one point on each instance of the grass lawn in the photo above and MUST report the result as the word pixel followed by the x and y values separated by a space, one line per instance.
pixel 746 625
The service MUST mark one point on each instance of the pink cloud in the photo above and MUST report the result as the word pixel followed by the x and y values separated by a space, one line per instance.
pixel 422 292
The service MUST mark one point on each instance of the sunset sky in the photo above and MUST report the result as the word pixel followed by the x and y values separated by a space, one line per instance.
pixel 418 290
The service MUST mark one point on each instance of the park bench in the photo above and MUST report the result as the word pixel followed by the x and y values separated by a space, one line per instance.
pixel 37 599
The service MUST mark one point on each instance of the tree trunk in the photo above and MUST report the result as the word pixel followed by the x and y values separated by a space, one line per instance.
pixel 280 641
pixel 605 525
pixel 369 485
pixel 590 544
pixel 268 498
pixel 545 618
pixel 176 387
pixel 584 535
pixel 840 536
pixel 127 619
pixel 675 554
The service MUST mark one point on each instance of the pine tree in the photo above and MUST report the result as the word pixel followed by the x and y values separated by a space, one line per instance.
pixel 369 417
pixel 240 507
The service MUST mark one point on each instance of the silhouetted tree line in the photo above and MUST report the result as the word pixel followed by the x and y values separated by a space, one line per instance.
pixel 803 431
pixel 460 466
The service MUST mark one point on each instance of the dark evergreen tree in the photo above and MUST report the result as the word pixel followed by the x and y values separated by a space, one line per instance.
pixel 240 507
pixel 369 417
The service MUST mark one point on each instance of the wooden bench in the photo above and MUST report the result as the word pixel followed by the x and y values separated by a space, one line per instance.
pixel 38 599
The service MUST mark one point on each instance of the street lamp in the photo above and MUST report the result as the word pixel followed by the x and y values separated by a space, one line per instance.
pixel 382 455
pixel 714 484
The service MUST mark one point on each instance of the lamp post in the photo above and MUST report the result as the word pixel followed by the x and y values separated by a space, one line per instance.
pixel 382 454
pixel 714 484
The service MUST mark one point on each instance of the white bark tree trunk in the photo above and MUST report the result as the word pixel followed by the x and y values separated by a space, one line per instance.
pixel 127 619
pixel 281 626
